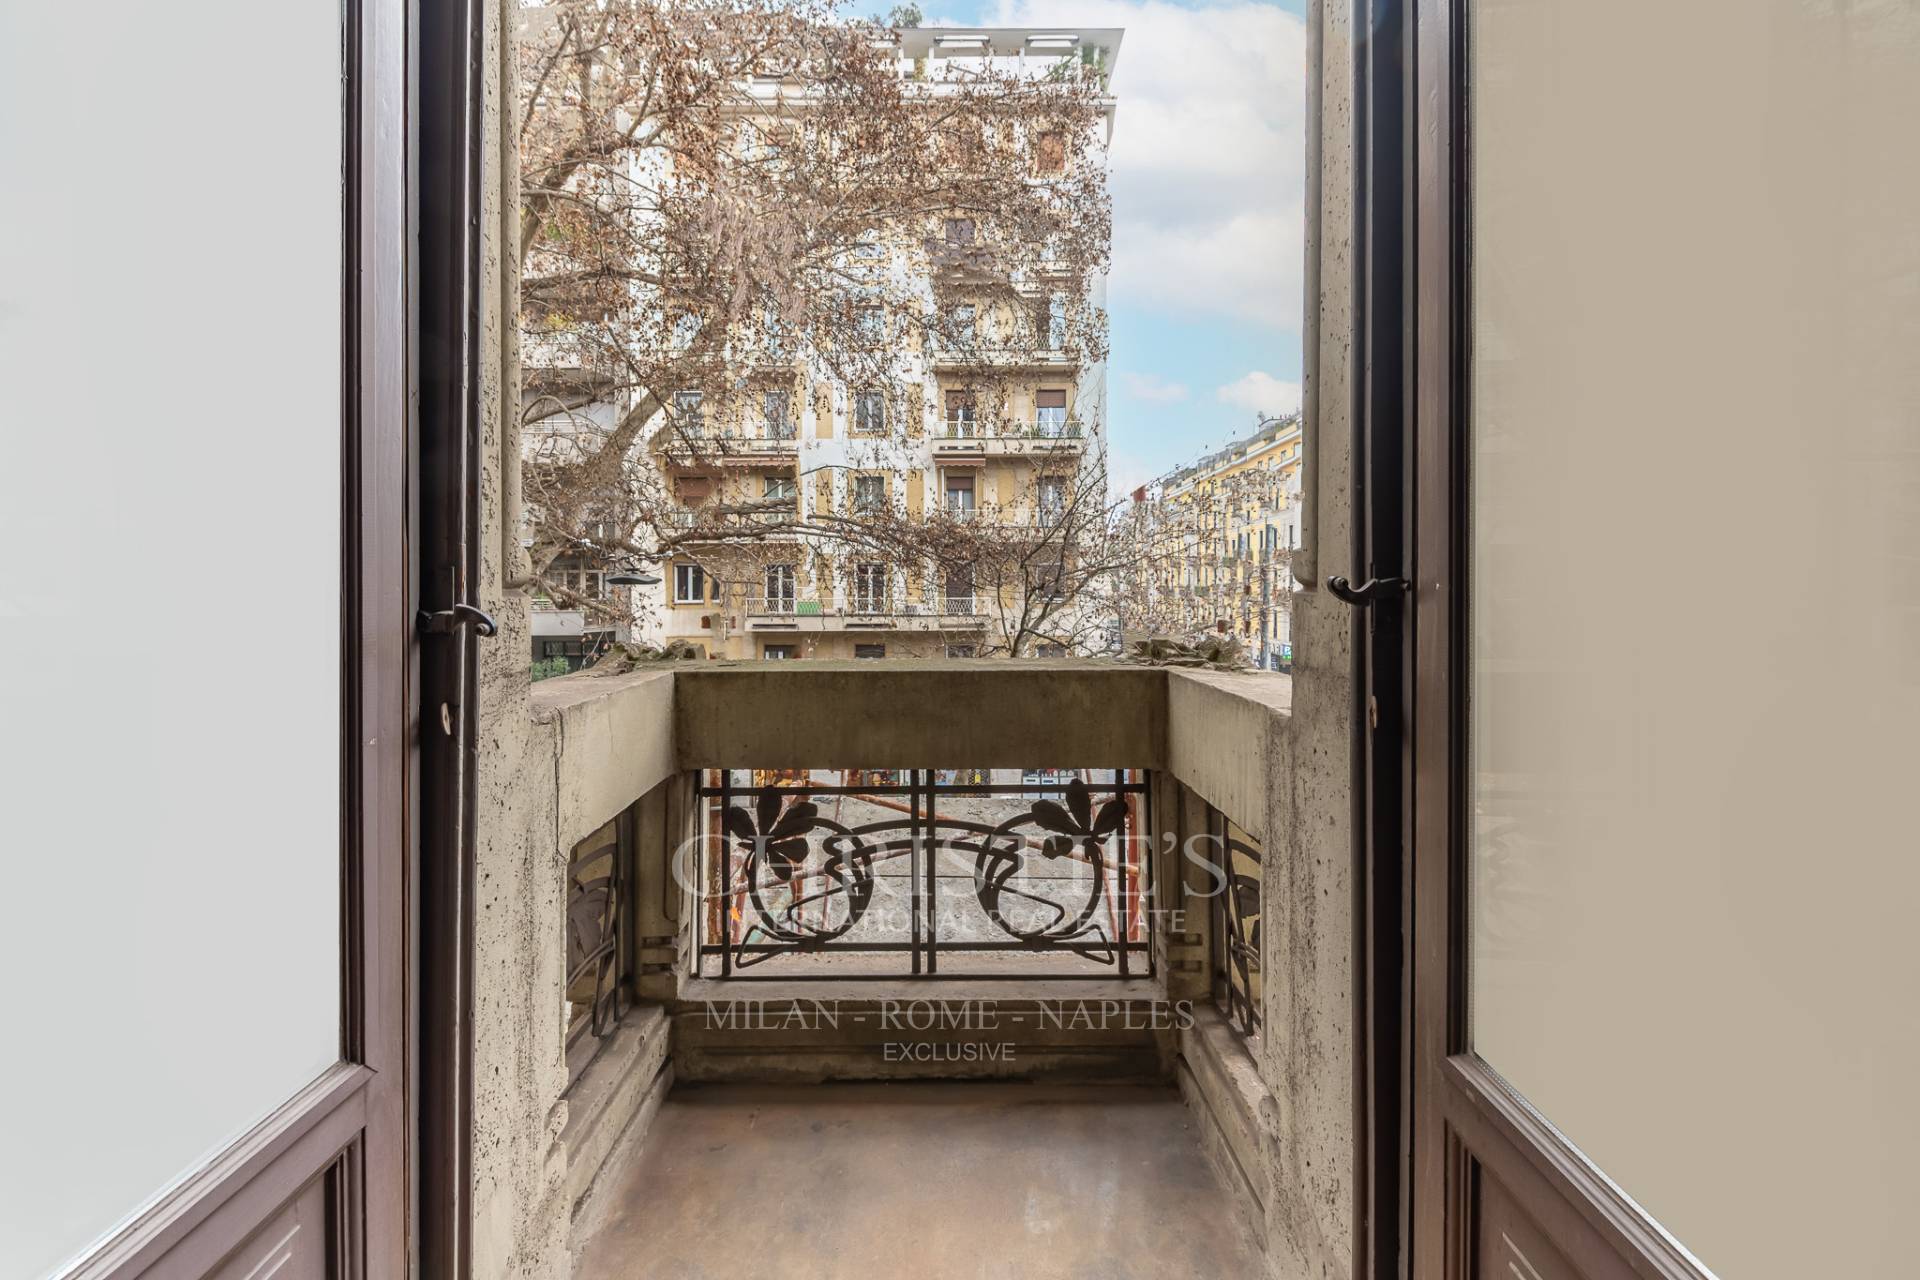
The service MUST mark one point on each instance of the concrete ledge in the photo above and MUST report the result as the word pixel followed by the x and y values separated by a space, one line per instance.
pixel 1225 739
pixel 1221 1082
pixel 615 1097
pixel 618 736
pixel 993 713
pixel 613 743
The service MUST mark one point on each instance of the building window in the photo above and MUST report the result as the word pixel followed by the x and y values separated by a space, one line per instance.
pixel 689 411
pixel 689 584
pixel 776 414
pixel 869 413
pixel 959 495
pixel 1050 412
pixel 780 489
pixel 1050 649
pixel 774 329
pixel 692 490
pixel 961 413
pixel 960 589
pixel 776 652
pixel 1049 154
pixel 686 327
pixel 959 231
pixel 577 578
pixel 870 587
pixel 961 323
pixel 869 493
pixel 870 324
pixel 1052 499
pixel 870 651
pixel 780 588
pixel 961 651
pixel 1050 580
pixel 588 584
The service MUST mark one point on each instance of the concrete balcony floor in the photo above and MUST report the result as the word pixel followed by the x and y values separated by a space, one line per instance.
pixel 938 1181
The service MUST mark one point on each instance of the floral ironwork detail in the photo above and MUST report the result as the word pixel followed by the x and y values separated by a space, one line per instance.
pixel 797 880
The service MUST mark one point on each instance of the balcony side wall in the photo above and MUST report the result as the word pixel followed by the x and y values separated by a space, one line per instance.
pixel 1309 938
pixel 519 1071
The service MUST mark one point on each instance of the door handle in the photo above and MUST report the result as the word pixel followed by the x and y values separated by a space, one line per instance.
pixel 1367 592
pixel 446 621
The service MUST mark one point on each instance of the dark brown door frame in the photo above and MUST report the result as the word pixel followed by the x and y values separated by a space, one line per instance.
pixel 1381 754
pixel 451 135
pixel 349 1128
pixel 1478 1151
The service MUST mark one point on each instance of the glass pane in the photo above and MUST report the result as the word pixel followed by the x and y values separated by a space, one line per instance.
pixel 170 336
pixel 1697 608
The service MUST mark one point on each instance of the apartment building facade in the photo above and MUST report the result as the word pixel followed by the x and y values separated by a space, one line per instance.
pixel 1229 523
pixel 988 422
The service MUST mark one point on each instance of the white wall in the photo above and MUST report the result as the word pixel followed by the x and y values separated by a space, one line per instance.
pixel 170 218
pixel 1696 728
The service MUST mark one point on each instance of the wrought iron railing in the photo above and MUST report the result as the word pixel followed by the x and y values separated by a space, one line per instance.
pixel 596 940
pixel 891 872
pixel 1236 926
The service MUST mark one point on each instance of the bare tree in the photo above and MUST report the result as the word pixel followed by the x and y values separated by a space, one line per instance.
pixel 711 194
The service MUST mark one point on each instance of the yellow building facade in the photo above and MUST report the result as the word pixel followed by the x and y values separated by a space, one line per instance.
pixel 1227 525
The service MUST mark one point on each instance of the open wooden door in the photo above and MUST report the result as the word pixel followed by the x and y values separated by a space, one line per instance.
pixel 206 494
pixel 1662 621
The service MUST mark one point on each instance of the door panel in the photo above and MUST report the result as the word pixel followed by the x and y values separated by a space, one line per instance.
pixel 1665 613
pixel 203 731
pixel 139 798
pixel 293 1244
pixel 1508 1244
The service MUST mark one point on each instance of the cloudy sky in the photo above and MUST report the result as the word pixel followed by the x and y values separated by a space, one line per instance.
pixel 1207 171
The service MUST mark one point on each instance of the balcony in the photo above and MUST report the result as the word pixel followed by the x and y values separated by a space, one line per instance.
pixel 968 441
pixel 826 914
pixel 977 1149
pixel 875 614
pixel 757 446
pixel 949 357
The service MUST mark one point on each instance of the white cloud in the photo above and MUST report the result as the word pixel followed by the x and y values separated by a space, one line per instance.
pixel 1127 472
pixel 1208 160
pixel 1151 386
pixel 1262 393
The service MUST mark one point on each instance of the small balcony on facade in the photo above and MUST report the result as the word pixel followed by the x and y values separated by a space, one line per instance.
pixel 935 55
pixel 875 613
pixel 952 357
pixel 1045 438
pixel 786 894
pixel 755 444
